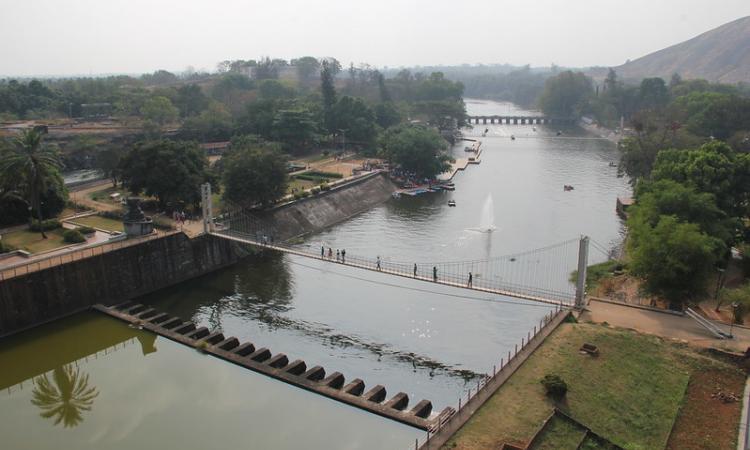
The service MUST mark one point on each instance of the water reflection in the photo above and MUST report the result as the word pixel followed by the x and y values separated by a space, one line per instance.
pixel 65 396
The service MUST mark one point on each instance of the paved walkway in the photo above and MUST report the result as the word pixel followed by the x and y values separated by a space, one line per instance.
pixel 666 325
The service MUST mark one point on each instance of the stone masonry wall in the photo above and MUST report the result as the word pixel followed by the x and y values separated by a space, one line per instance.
pixel 112 277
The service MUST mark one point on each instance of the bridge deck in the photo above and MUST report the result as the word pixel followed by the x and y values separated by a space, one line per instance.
pixel 368 265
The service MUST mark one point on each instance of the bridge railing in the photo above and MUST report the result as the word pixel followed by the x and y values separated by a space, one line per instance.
pixel 452 273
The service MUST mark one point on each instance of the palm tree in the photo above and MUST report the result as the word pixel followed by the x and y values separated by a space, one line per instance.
pixel 29 166
pixel 65 397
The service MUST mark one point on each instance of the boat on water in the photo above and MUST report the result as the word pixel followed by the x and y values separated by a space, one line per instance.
pixel 448 187
pixel 559 133
pixel 468 149
pixel 512 137
pixel 611 164
pixel 451 203
pixel 533 128
pixel 568 187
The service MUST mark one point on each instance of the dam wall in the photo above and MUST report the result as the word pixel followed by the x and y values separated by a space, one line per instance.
pixel 112 277
pixel 327 208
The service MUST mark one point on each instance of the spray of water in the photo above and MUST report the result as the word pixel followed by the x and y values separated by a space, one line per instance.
pixel 487 219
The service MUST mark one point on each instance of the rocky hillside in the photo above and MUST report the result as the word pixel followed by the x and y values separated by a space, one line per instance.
pixel 719 55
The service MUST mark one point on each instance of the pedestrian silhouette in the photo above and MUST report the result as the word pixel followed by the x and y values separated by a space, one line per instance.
pixel 434 274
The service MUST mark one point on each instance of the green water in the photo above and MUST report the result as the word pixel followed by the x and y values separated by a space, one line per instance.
pixel 91 382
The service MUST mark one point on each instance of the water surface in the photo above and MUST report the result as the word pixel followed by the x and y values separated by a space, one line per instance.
pixel 92 382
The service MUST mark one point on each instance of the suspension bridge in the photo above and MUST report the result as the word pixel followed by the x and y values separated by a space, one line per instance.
pixel 540 275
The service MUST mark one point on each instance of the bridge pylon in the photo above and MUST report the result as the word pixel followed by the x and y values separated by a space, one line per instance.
pixel 207 204
pixel 583 261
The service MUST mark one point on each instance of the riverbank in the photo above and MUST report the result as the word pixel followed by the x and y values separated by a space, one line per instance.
pixel 608 393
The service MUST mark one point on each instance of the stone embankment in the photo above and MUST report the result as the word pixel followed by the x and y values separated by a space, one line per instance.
pixel 260 359
pixel 323 210
pixel 110 277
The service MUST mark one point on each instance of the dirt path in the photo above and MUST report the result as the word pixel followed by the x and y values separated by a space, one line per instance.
pixel 666 325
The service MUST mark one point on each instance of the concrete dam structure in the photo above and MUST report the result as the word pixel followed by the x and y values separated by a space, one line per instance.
pixel 261 360
pixel 109 278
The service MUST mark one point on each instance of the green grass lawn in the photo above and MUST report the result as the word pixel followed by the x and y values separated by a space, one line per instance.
pixel 32 241
pixel 630 394
pixel 100 222
pixel 295 183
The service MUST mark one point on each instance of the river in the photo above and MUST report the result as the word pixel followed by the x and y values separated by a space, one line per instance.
pixel 426 340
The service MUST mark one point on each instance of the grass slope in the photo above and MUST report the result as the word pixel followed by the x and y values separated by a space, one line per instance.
pixel 630 394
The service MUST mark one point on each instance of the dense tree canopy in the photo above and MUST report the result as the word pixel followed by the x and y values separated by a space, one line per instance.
pixel 674 258
pixel 713 168
pixel 254 173
pixel 566 94
pixel 416 149
pixel 171 171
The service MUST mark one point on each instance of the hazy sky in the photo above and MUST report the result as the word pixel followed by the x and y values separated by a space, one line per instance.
pixel 59 37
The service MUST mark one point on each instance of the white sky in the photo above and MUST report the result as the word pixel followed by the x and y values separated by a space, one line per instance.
pixel 62 37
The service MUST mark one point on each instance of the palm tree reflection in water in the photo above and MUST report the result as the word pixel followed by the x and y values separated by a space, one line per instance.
pixel 65 397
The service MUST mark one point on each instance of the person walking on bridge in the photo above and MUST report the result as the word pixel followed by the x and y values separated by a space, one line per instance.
pixel 377 262
pixel 322 252
pixel 469 284
pixel 343 256
pixel 434 274
pixel 338 255
pixel 330 253
pixel 415 270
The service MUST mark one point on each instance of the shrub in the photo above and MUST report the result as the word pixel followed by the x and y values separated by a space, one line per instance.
pixel 46 225
pixel 4 248
pixel 554 386
pixel 322 174
pixel 73 237
pixel 86 230
pixel 315 190
pixel 305 194
pixel 297 195
pixel 325 187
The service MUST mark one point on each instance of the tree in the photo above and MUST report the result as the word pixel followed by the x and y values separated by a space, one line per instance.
pixel 356 118
pixel 387 114
pixel 258 118
pixel 674 258
pixel 190 100
pixel 254 174
pixel 31 168
pixel 213 124
pixel 713 168
pixel 295 128
pixel 108 161
pixel 275 90
pixel 307 67
pixel 159 110
pixel 653 93
pixel 328 90
pixel 565 95
pixel 416 149
pixel 171 171
pixel 670 198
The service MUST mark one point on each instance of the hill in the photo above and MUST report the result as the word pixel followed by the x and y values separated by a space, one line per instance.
pixel 718 55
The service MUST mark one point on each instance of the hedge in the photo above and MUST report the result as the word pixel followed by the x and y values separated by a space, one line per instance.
pixel 73 236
